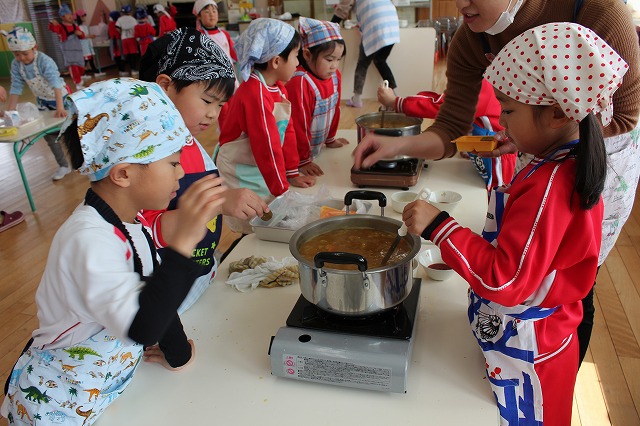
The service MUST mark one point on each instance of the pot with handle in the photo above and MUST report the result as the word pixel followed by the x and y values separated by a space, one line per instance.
pixel 395 124
pixel 360 292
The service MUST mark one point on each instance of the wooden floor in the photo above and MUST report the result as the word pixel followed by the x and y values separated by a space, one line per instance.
pixel 608 387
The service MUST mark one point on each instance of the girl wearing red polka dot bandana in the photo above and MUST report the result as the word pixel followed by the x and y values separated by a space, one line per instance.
pixel 538 255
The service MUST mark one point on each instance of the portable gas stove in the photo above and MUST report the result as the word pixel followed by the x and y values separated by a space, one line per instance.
pixel 370 352
pixel 396 174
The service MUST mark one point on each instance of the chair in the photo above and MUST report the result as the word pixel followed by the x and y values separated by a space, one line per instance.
pixel 437 26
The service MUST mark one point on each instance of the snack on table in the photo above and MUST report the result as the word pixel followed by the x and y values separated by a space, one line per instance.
pixel 326 211
pixel 246 263
pixel 267 216
pixel 476 143
pixel 282 277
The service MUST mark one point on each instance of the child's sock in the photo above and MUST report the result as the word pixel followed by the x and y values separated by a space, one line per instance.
pixel 356 98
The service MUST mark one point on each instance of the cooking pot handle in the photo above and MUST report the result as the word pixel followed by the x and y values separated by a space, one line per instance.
pixel 366 195
pixel 341 258
pixel 388 132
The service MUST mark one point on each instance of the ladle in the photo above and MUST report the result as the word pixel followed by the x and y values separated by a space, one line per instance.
pixel 402 231
pixel 383 109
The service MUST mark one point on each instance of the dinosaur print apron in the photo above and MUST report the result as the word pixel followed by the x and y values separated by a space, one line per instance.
pixel 71 385
pixel 323 113
pixel 39 86
pixel 238 166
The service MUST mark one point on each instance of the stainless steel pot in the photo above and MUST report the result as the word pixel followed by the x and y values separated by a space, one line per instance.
pixel 353 293
pixel 395 124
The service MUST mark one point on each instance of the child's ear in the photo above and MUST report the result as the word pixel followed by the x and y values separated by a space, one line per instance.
pixel 120 174
pixel 275 62
pixel 164 81
pixel 306 54
pixel 559 119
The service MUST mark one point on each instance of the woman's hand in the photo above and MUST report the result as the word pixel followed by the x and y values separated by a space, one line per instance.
pixel 373 148
pixel 311 169
pixel 243 203
pixel 155 354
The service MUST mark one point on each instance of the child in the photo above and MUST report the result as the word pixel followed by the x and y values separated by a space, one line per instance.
pixel 126 25
pixel 87 45
pixel 539 255
pixel 143 31
pixel 70 43
pixel 494 171
pixel 166 23
pixel 115 48
pixel 41 74
pixel 257 142
pixel 197 89
pixel 104 301
pixel 314 91
pixel 206 12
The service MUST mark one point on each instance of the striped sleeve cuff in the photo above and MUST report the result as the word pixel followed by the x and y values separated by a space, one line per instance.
pixel 440 229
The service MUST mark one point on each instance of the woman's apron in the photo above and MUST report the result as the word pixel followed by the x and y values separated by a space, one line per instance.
pixel 238 166
pixel 40 87
pixel 73 385
pixel 72 49
pixel 203 253
pixel 323 113
pixel 507 338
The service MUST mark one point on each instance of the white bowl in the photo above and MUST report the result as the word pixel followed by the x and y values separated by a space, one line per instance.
pixel 431 257
pixel 445 200
pixel 400 199
pixel 404 23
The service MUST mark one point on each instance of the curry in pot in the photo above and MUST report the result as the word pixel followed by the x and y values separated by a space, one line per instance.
pixel 372 244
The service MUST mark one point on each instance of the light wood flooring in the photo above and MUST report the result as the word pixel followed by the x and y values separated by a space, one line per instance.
pixel 608 386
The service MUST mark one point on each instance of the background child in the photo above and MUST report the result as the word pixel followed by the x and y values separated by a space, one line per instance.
pixel 115 47
pixel 198 77
pixel 257 142
pixel 103 295
pixel 166 23
pixel 41 74
pixel 143 31
pixel 206 12
pixel 539 254
pixel 495 171
pixel 314 91
pixel 70 43
pixel 126 25
pixel 87 44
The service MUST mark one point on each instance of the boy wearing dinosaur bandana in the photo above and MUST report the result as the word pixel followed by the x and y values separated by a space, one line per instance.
pixel 104 301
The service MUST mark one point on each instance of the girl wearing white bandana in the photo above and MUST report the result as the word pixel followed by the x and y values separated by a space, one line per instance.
pixel 538 254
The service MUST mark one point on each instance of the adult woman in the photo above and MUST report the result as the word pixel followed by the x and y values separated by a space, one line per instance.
pixel 488 26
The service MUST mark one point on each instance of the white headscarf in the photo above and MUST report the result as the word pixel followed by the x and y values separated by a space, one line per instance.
pixel 264 39
pixel 563 63
pixel 20 39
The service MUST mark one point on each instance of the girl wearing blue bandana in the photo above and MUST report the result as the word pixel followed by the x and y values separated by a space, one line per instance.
pixel 104 301
pixel 258 147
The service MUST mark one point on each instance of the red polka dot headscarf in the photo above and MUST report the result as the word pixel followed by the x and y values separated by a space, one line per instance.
pixel 563 63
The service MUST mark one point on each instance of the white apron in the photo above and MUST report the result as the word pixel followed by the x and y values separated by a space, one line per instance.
pixel 38 84
pixel 237 164
pixel 323 113
pixel 618 195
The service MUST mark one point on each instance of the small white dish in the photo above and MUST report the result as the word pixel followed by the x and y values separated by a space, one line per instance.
pixel 445 200
pixel 399 200
pixel 433 265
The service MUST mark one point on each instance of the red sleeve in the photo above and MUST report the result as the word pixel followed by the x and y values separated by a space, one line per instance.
pixel 303 102
pixel 290 147
pixel 232 51
pixel 545 239
pixel 113 32
pixel 488 106
pixel 331 137
pixel 423 105
pixel 77 28
pixel 58 30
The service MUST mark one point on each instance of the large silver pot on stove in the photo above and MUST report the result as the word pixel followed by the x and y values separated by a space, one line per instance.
pixel 349 292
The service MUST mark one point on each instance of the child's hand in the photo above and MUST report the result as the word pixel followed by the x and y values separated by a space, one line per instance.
pixel 244 204
pixel 418 215
pixel 60 113
pixel 154 354
pixel 199 204
pixel 78 33
pixel 338 143
pixel 54 22
pixel 303 181
pixel 311 169
pixel 386 97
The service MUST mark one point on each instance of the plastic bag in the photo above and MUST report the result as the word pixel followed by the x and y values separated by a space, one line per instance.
pixel 271 273
pixel 28 112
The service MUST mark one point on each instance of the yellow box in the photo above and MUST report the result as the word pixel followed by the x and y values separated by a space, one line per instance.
pixel 476 143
